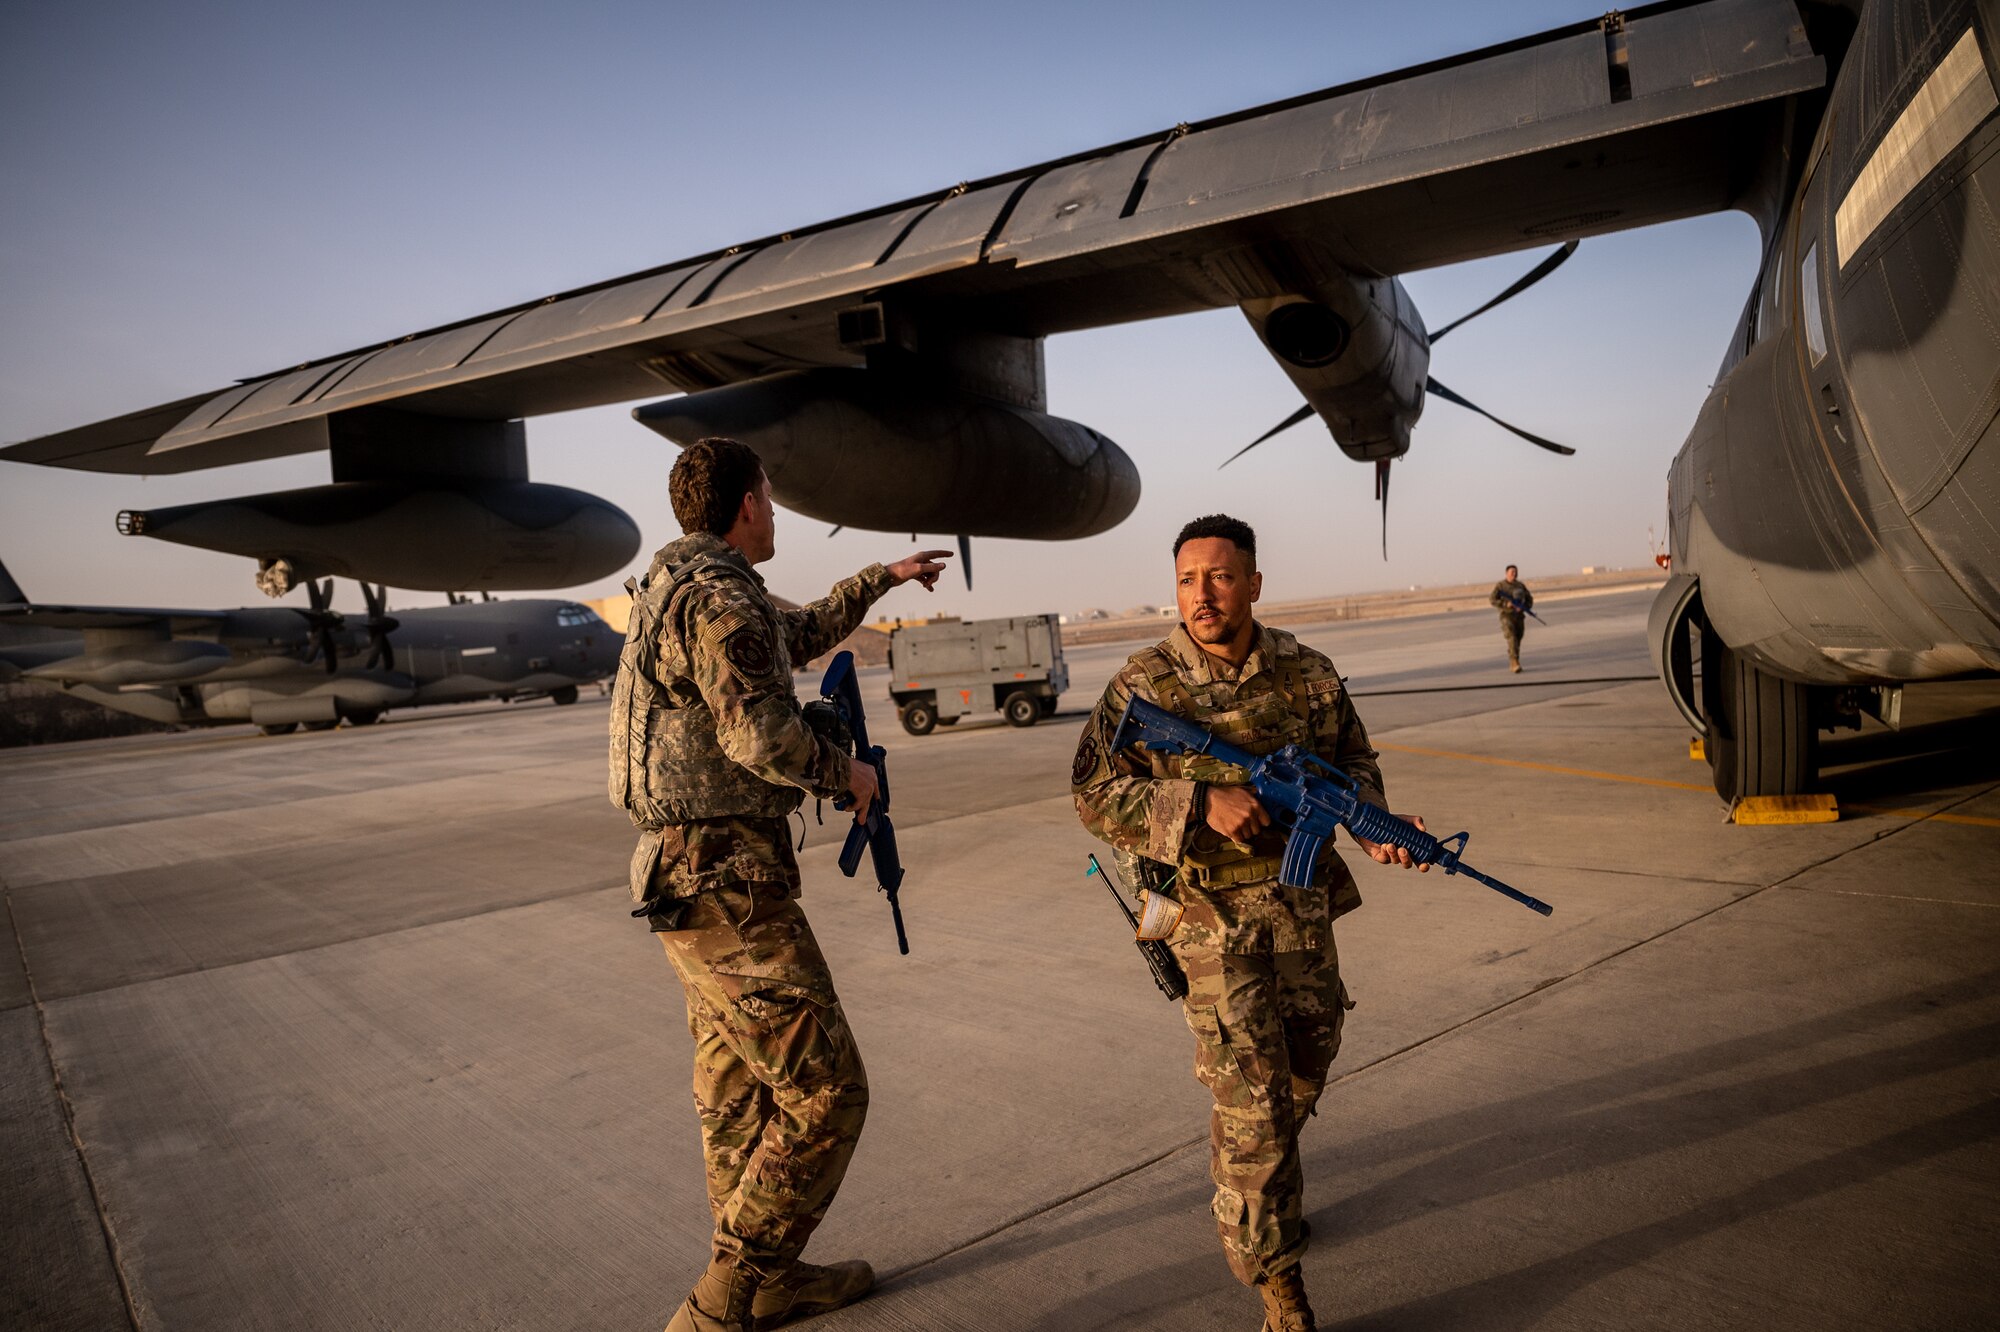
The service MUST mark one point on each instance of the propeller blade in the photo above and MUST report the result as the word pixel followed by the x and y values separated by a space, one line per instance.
pixel 1433 387
pixel 838 530
pixel 1382 493
pixel 1533 275
pixel 1282 426
pixel 965 559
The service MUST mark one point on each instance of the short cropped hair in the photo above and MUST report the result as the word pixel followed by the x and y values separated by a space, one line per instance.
pixel 1513 568
pixel 1223 526
pixel 708 484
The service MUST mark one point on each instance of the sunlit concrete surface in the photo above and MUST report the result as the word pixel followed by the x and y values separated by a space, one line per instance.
pixel 352 1030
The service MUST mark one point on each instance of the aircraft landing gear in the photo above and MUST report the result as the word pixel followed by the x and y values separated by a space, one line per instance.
pixel 278 728
pixel 321 725
pixel 564 696
pixel 367 717
pixel 1761 737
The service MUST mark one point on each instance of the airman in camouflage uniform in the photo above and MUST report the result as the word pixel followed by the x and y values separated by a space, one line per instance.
pixel 1265 1000
pixel 710 755
pixel 1511 597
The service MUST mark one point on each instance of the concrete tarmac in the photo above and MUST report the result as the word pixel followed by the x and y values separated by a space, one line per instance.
pixel 353 1030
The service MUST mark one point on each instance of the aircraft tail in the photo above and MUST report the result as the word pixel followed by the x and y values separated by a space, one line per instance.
pixel 10 591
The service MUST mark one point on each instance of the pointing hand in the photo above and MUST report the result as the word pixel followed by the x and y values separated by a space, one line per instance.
pixel 924 566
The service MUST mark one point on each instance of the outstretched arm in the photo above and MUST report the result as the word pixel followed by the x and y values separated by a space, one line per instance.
pixel 815 629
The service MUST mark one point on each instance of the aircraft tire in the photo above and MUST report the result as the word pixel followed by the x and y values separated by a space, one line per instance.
pixel 564 696
pixel 1764 742
pixel 919 717
pixel 365 718
pixel 278 728
pixel 320 725
pixel 1021 709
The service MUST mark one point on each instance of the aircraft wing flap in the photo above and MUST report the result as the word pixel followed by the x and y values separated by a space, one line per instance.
pixel 1690 62
pixel 603 310
pixel 630 323
pixel 1711 44
pixel 111 445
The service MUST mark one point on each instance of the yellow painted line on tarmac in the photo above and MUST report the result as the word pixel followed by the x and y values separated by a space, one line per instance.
pixel 1972 820
pixel 1545 767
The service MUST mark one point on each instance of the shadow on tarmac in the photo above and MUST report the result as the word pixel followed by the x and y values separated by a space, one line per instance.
pixel 1528 1141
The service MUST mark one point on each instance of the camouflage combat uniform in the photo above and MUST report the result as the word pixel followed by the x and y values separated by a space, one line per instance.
pixel 1265 1000
pixel 710 756
pixel 1505 594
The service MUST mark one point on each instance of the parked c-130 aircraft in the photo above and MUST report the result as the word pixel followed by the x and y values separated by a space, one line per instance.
pixel 282 667
pixel 1833 515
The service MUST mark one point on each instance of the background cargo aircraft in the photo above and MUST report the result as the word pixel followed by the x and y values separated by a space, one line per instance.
pixel 285 666
pixel 1831 514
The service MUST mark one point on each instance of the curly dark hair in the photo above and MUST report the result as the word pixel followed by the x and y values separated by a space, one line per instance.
pixel 1223 526
pixel 709 481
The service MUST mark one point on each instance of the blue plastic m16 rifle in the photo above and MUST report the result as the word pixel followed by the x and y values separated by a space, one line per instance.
pixel 1522 607
pixel 876 833
pixel 1310 796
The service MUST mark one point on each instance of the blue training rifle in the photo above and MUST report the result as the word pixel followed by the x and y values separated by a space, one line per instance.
pixel 1522 607
pixel 1312 802
pixel 875 832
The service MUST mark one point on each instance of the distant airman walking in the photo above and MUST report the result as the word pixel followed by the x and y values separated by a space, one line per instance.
pixel 1513 600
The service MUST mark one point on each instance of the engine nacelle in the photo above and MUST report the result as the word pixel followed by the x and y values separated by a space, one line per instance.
pixel 477 536
pixel 891 452
pixel 1357 350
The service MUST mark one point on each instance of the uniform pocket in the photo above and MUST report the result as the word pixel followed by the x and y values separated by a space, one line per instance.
pixel 1203 1022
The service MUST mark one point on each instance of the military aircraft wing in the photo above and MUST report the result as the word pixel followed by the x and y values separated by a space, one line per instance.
pixel 109 617
pixel 1633 119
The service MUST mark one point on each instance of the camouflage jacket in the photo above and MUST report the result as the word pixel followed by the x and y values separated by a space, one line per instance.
pixel 1508 591
pixel 1149 804
pixel 709 750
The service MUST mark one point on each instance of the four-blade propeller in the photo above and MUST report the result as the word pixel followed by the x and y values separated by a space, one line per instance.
pixel 1554 260
pixel 324 623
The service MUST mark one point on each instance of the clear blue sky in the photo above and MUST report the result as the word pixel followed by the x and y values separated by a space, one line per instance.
pixel 202 192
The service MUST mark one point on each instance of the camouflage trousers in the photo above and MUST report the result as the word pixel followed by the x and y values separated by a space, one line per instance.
pixel 1510 629
pixel 1266 1028
pixel 778 1081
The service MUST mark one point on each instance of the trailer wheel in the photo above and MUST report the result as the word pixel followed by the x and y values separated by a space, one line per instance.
pixel 1021 709
pixel 919 717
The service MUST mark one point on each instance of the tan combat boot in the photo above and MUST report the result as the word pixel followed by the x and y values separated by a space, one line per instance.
pixel 1285 1307
pixel 807 1290
pixel 720 1302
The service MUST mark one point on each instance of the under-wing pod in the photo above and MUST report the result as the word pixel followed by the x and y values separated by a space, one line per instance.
pixel 486 536
pixel 892 452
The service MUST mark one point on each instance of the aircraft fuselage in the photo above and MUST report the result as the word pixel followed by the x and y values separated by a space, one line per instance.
pixel 1835 498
